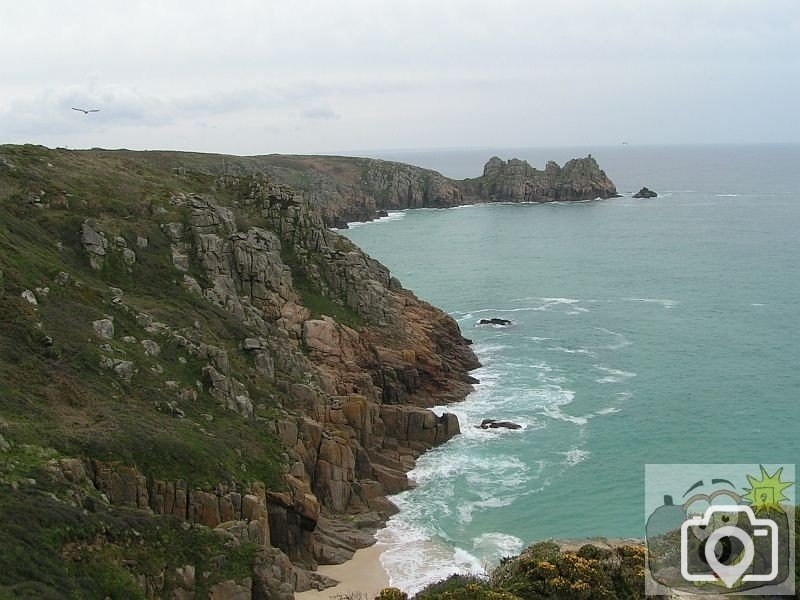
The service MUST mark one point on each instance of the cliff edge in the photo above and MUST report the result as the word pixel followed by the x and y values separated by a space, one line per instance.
pixel 346 189
pixel 206 392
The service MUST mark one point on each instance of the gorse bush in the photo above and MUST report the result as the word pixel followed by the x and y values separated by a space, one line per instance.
pixel 544 571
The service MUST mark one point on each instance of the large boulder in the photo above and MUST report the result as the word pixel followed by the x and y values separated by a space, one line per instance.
pixel 103 328
pixel 95 244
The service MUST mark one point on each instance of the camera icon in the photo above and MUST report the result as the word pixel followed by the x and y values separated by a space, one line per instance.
pixel 732 544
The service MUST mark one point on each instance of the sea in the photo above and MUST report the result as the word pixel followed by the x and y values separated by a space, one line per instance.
pixel 659 330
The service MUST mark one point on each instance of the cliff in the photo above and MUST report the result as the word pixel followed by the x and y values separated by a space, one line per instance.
pixel 205 391
pixel 346 189
pixel 517 181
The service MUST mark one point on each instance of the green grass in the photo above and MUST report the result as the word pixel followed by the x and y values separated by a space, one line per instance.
pixel 57 401
pixel 52 549
pixel 58 392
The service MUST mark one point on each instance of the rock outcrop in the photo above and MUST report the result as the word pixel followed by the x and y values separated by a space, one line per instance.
pixel 495 424
pixel 383 185
pixel 495 321
pixel 517 181
pixel 645 193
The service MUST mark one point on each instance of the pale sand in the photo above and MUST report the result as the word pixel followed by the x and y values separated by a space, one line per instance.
pixel 363 573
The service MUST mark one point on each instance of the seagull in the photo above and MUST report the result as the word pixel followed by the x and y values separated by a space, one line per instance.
pixel 86 112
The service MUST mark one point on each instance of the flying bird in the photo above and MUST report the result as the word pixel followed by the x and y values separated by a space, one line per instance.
pixel 86 112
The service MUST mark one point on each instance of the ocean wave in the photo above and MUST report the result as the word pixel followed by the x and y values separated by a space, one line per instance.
pixel 496 325
pixel 666 303
pixel 614 375
pixel 575 456
pixel 487 350
pixel 572 350
pixel 614 407
pixel 543 304
pixel 394 215
pixel 621 342
pixel 494 546
pixel 555 412
pixel 727 195
pixel 414 558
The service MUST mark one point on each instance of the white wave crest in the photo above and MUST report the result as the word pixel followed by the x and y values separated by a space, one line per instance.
pixel 575 456
pixel 613 375
pixel 394 215
pixel 621 342
pixel 666 303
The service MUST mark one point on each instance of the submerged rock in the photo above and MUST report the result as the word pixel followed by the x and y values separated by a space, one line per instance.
pixel 495 424
pixel 645 193
pixel 495 321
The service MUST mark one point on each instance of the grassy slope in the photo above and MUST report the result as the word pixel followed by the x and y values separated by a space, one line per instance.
pixel 59 393
pixel 56 401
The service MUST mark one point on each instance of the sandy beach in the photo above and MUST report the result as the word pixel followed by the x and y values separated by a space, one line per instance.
pixel 363 573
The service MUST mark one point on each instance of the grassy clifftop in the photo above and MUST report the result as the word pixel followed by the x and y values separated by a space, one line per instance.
pixel 202 388
pixel 345 188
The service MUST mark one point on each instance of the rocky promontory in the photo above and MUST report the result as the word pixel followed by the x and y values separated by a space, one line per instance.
pixel 206 392
pixel 517 181
pixel 346 189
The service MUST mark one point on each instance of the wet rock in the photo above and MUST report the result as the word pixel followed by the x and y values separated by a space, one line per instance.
pixel 495 424
pixel 645 193
pixel 495 321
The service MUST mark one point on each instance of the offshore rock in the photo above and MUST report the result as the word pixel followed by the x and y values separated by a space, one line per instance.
pixel 517 181
pixel 645 193
pixel 495 321
pixel 494 424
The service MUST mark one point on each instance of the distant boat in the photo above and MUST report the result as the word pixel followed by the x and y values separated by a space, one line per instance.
pixel 624 143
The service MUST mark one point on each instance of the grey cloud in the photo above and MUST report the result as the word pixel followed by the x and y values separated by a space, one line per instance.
pixel 246 73
pixel 320 113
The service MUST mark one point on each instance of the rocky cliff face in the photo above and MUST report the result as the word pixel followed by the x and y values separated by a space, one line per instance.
pixel 223 361
pixel 346 189
pixel 517 181
pixel 384 185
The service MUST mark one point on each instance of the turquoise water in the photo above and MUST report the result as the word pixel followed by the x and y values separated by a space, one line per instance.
pixel 644 331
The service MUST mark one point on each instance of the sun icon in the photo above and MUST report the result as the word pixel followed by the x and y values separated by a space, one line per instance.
pixel 766 493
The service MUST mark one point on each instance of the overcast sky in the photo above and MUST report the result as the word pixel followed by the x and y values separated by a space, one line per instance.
pixel 251 77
